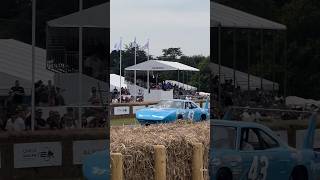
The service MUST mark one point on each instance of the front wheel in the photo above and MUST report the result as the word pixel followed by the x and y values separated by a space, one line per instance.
pixel 224 174
pixel 203 117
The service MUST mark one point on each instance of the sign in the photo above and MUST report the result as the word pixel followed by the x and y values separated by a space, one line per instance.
pixel 83 148
pixel 283 135
pixel 300 137
pixel 135 108
pixel 37 154
pixel 121 110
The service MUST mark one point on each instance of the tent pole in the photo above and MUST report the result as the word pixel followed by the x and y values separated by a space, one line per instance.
pixel 135 72
pixel 234 59
pixel 33 64
pixel 285 68
pixel 274 60
pixel 148 82
pixel 80 69
pixel 219 59
pixel 249 54
pixel 120 69
pixel 261 59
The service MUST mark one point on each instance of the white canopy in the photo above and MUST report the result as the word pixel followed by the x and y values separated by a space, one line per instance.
pixel 158 65
pixel 179 84
pixel 16 64
pixel 233 18
pixel 115 82
pixel 242 78
pixel 97 16
pixel 298 101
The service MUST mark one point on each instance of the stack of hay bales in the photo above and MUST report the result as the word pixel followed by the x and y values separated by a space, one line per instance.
pixel 135 143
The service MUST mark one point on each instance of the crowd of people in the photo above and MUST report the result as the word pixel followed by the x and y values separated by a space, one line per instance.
pixel 125 95
pixel 20 120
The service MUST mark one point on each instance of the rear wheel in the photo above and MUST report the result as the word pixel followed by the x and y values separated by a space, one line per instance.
pixel 224 174
pixel 299 173
pixel 203 117
pixel 180 116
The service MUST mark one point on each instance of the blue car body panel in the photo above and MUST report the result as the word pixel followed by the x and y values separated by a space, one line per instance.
pixel 277 162
pixel 155 115
pixel 96 166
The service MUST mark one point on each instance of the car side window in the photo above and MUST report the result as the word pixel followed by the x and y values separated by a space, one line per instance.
pixel 193 106
pixel 249 140
pixel 267 141
pixel 256 139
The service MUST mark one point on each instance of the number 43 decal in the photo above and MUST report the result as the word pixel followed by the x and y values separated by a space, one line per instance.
pixel 258 164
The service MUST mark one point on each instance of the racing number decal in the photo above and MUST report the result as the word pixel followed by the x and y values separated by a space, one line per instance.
pixel 253 172
pixel 191 115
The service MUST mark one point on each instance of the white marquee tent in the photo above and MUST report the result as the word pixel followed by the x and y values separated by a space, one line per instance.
pixel 182 85
pixel 158 65
pixel 115 83
pixel 16 64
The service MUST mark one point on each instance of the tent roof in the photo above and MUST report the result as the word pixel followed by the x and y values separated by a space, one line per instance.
pixel 97 16
pixel 233 18
pixel 179 84
pixel 158 65
pixel 242 78
pixel 16 60
pixel 115 83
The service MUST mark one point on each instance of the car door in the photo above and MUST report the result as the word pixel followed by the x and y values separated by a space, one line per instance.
pixel 260 159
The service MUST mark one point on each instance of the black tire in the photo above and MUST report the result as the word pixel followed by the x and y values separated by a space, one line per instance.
pixel 203 117
pixel 180 116
pixel 299 173
pixel 224 174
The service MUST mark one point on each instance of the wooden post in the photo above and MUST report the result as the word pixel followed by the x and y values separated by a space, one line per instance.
pixel 197 162
pixel 116 166
pixel 160 162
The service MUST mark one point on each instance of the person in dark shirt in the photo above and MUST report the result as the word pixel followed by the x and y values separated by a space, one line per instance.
pixel 16 93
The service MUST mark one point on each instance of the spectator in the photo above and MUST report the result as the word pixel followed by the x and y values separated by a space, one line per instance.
pixel 68 121
pixel 59 100
pixel 15 123
pixel 51 93
pixel 16 93
pixel 54 120
pixel 40 123
pixel 94 99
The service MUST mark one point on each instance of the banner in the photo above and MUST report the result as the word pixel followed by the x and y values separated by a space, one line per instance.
pixel 37 154
pixel 121 110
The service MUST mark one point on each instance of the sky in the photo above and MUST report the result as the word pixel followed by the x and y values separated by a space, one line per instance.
pixel 166 23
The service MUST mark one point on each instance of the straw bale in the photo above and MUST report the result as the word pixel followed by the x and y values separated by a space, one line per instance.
pixel 136 145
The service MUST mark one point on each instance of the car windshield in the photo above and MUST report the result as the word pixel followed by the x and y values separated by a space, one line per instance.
pixel 223 137
pixel 170 104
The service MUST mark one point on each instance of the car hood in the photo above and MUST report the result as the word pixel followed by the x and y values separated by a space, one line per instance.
pixel 155 113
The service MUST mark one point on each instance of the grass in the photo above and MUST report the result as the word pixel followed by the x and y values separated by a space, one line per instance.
pixel 123 121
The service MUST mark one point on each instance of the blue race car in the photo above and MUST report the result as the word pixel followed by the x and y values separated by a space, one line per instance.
pixel 170 110
pixel 245 150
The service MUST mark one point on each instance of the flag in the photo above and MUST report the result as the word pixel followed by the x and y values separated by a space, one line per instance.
pixel 115 47
pixel 146 46
pixel 135 42
pixel 118 46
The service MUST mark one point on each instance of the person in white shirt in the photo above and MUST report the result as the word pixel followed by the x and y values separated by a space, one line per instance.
pixel 15 123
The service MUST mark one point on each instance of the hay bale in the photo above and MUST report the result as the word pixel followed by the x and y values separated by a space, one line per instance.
pixel 135 143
